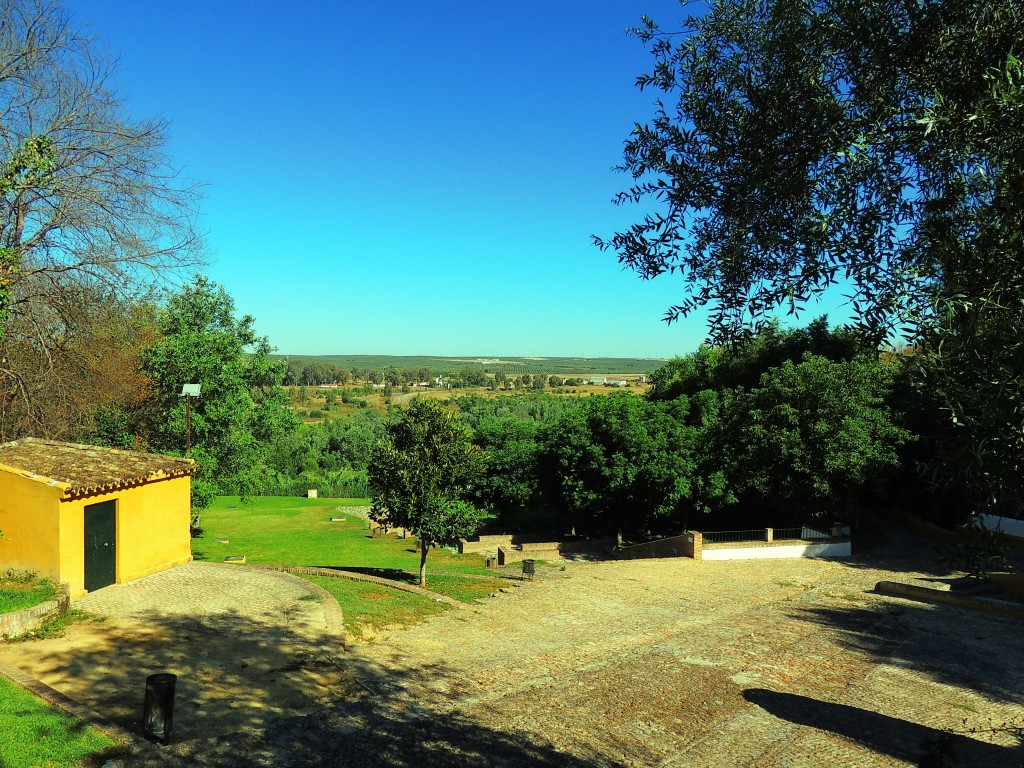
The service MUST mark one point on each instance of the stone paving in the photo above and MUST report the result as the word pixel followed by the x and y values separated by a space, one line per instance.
pixel 197 591
pixel 670 663
pixel 248 646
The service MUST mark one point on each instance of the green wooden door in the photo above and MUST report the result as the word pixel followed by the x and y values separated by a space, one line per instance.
pixel 100 545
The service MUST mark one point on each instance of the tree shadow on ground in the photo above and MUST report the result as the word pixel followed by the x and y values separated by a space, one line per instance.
pixel 904 740
pixel 264 693
pixel 391 574
pixel 952 645
pixel 234 672
pixel 886 545
pixel 378 730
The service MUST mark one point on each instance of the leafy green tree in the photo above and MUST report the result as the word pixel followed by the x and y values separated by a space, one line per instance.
pixel 472 376
pixel 28 168
pixel 619 462
pixel 293 375
pixel 510 446
pixel 862 143
pixel 811 436
pixel 809 144
pixel 241 412
pixel 743 362
pixel 423 475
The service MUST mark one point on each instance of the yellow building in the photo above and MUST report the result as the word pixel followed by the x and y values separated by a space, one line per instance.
pixel 91 516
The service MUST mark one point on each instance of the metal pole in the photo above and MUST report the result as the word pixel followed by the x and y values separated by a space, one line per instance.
pixel 188 425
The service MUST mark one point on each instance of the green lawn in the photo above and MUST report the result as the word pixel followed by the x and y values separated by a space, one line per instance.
pixel 462 589
pixel 370 607
pixel 22 590
pixel 276 530
pixel 35 734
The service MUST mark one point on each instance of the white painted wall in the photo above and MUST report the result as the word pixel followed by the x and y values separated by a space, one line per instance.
pixel 832 549
pixel 1005 524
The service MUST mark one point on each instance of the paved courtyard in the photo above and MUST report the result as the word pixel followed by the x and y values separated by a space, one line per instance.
pixel 248 646
pixel 672 663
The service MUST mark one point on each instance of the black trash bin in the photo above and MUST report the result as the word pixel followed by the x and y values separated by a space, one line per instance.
pixel 528 568
pixel 158 710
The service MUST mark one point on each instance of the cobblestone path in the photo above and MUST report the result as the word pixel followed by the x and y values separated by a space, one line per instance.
pixel 745 663
pixel 248 646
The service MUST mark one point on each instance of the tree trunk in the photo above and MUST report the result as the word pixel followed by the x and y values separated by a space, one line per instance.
pixel 424 548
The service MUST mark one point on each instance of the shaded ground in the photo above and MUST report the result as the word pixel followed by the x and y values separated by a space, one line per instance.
pixel 247 647
pixel 663 662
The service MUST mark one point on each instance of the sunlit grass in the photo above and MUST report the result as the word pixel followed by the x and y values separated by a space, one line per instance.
pixel 369 608
pixel 297 531
pixel 33 733
pixel 22 590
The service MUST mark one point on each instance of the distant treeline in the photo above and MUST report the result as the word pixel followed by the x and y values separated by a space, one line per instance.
pixel 563 366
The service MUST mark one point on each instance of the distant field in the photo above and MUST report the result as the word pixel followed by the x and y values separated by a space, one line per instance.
pixel 562 366
pixel 316 397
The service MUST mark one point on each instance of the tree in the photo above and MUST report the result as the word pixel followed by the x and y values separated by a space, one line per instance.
pixel 807 144
pixel 93 197
pixel 423 475
pixel 241 412
pixel 807 439
pixel 619 462
pixel 863 144
pixel 743 362
pixel 29 167
pixel 89 366
pixel 510 454
pixel 89 204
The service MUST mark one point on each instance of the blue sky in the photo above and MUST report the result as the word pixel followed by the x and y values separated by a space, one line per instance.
pixel 407 178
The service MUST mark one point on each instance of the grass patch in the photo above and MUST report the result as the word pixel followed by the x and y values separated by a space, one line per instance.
pixel 19 590
pixel 464 589
pixel 276 530
pixel 370 608
pixel 36 734
pixel 56 627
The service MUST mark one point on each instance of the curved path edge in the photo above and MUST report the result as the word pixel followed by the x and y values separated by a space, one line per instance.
pixel 352 576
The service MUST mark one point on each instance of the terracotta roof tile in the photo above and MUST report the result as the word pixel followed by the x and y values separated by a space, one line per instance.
pixel 89 468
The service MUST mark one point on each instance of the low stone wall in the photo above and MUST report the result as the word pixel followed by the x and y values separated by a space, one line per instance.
pixel 491 543
pixel 551 550
pixel 674 546
pixel 927 594
pixel 19 622
pixel 834 548
pixel 377 530
pixel 508 555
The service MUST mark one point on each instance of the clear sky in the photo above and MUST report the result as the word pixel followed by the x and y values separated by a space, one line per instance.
pixel 416 178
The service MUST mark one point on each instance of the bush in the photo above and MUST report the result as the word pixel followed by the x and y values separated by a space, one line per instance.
pixel 23 589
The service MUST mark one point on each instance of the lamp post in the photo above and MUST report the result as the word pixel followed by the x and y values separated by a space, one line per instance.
pixel 188 391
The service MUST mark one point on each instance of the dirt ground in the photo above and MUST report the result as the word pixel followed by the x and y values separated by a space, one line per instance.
pixel 674 663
